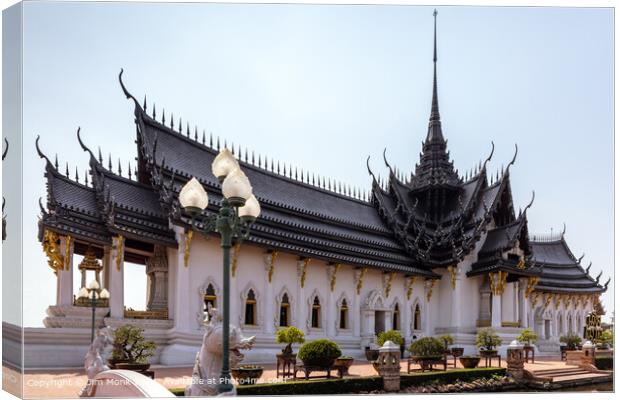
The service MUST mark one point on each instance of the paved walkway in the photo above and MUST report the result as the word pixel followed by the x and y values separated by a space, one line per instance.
pixel 68 383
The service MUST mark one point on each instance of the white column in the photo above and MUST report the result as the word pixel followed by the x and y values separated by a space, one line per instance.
pixel 117 260
pixel 268 297
pixel 300 300
pixel 107 265
pixel 183 318
pixel 455 311
pixel 522 303
pixel 427 309
pixel 496 310
pixel 330 328
pixel 356 311
pixel 64 276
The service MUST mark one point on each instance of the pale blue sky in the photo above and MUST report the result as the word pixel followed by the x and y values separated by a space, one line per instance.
pixel 323 87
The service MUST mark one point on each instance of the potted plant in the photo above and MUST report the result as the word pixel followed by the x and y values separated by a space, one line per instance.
pixel 319 353
pixel 447 341
pixel 605 340
pixel 426 350
pixel 130 349
pixel 371 354
pixel 247 374
pixel 571 340
pixel 289 336
pixel 395 337
pixel 469 361
pixel 344 363
pixel 527 337
pixel 487 340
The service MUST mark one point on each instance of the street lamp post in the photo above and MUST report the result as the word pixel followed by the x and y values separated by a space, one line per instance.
pixel 239 209
pixel 93 293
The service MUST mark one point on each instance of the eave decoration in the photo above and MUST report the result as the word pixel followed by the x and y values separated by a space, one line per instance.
pixel 452 271
pixel 189 235
pixel 556 300
pixel 332 271
pixel 430 284
pixel 51 247
pixel 270 259
pixel 532 281
pixel 302 266
pixel 497 281
pixel 387 283
pixel 68 252
pixel 534 298
pixel 548 298
pixel 359 277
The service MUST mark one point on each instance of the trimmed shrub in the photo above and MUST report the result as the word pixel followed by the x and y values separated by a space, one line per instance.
pixel 130 345
pixel 527 336
pixel 447 340
pixel 319 352
pixel 289 336
pixel 604 362
pixel 606 339
pixel 427 347
pixel 359 384
pixel 487 339
pixel 572 340
pixel 392 335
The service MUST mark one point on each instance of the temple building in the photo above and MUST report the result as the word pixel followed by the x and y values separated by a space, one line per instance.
pixel 426 253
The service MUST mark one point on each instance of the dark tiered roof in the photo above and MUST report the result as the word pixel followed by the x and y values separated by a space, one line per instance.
pixel 561 271
pixel 431 220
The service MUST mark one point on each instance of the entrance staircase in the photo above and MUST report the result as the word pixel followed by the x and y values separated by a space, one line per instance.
pixel 570 375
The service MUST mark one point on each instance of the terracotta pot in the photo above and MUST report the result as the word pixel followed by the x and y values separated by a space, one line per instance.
pixel 248 374
pixel 343 362
pixel 469 362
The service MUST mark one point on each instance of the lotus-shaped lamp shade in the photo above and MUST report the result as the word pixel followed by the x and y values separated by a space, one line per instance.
pixel 83 293
pixel 223 164
pixel 250 210
pixel 193 197
pixel 93 285
pixel 104 294
pixel 237 188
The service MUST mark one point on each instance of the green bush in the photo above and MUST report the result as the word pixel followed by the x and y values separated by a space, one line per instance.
pixel 606 339
pixel 604 362
pixel 359 384
pixel 487 339
pixel 426 347
pixel 319 352
pixel 447 340
pixel 289 336
pixel 392 335
pixel 571 340
pixel 527 336
pixel 130 346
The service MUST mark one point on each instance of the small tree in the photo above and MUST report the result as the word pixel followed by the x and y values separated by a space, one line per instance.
pixel 606 339
pixel 131 346
pixel 527 336
pixel 392 335
pixel 447 341
pixel 289 336
pixel 427 347
pixel 487 339
pixel 571 339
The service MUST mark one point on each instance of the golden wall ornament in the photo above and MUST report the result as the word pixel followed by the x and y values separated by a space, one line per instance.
pixel 51 247
pixel 68 252
pixel 332 278
pixel 302 275
pixel 410 282
pixel 534 298
pixel 430 284
pixel 360 280
pixel 189 235
pixel 556 300
pixel 120 251
pixel 548 297
pixel 235 259
pixel 387 283
pixel 497 282
pixel 521 264
pixel 566 300
pixel 452 271
pixel 272 264
pixel 532 281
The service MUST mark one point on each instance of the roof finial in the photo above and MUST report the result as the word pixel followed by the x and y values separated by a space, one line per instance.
pixel 435 103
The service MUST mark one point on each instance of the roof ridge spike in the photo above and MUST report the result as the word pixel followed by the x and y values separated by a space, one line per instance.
pixel 172 121
pixel 77 177
pixel 163 116
pixel 109 161
pixel 99 155
pixel 120 171
pixel 144 103
pixel 56 161
pixel 154 112
pixel 129 169
pixel 67 169
pixel 195 132
pixel 86 177
pixel 203 137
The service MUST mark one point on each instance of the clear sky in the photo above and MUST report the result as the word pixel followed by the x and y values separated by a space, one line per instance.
pixel 323 87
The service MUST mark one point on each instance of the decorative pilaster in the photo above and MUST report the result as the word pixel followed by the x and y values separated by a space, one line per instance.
pixel 117 300
pixel 64 276
pixel 51 247
pixel 358 278
pixel 452 272
pixel 157 270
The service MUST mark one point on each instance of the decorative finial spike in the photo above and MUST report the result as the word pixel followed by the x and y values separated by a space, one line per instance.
pixel 109 161
pixel 120 171
pixel 196 133
pixel 129 169
pixel 245 156
pixel 253 163
pixel 172 121
pixel 86 177
pixel 218 144
pixel 154 112
pixel 187 129
pixel 144 104
pixel 67 169
pixel 203 137
pixel 232 148
pixel 163 116
pixel 56 161
pixel 99 155
pixel 77 177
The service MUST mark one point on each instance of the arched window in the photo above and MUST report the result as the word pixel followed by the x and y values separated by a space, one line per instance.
pixel 209 298
pixel 284 310
pixel 344 315
pixel 316 313
pixel 396 318
pixel 250 308
pixel 417 318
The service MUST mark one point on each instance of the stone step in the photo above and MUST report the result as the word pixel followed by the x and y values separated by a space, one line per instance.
pixel 583 377
pixel 557 370
pixel 563 374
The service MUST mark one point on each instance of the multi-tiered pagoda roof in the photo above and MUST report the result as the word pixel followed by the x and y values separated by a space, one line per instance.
pixel 413 224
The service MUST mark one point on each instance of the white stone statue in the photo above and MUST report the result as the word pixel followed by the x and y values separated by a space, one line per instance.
pixel 93 361
pixel 206 373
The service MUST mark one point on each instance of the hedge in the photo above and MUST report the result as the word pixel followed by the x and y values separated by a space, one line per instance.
pixel 357 384
pixel 604 362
